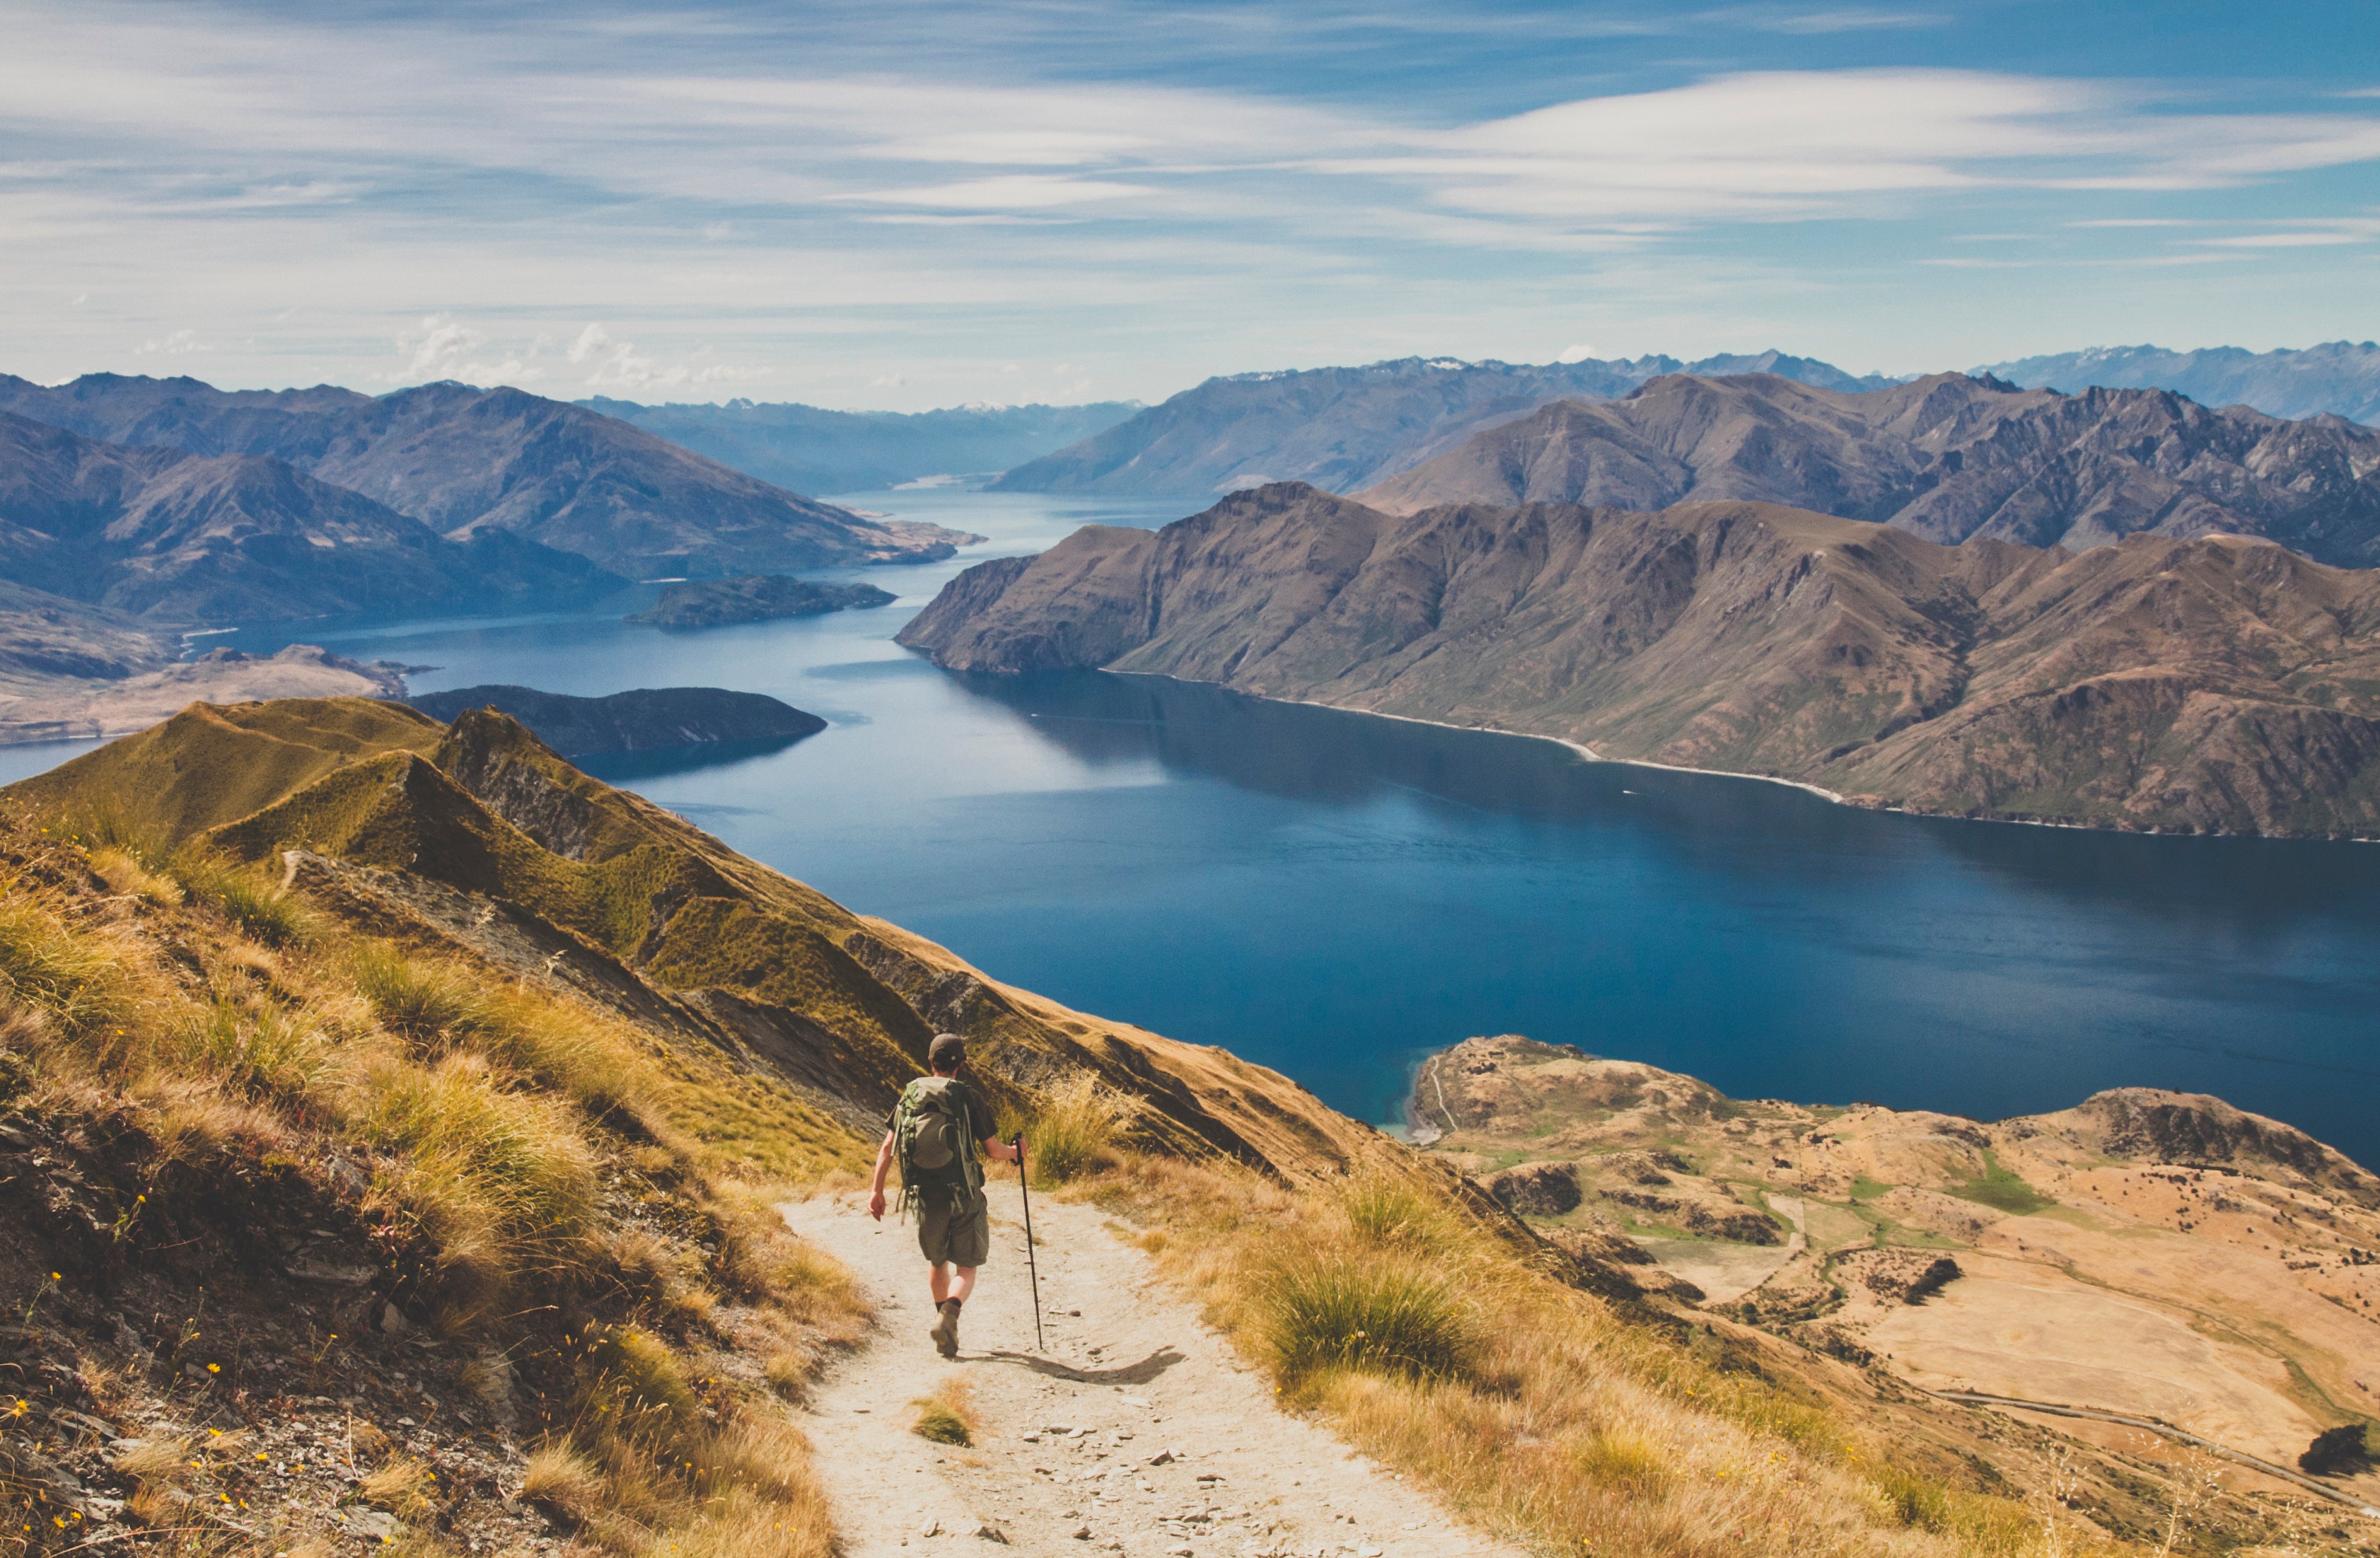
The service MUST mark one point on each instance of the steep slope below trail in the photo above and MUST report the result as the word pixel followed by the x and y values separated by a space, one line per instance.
pixel 479 834
pixel 469 461
pixel 2216 684
pixel 1947 457
pixel 2146 1253
pixel 1137 1431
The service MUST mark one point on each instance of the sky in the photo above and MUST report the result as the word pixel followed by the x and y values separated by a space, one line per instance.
pixel 903 205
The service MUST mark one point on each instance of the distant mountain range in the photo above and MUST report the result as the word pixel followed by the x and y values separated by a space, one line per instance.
pixel 810 450
pixel 1947 457
pixel 2339 377
pixel 182 538
pixel 1348 428
pixel 467 462
pixel 2217 684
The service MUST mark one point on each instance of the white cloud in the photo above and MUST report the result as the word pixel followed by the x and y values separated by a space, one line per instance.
pixel 1578 353
pixel 2280 240
pixel 443 347
pixel 617 365
pixel 1019 191
pixel 181 342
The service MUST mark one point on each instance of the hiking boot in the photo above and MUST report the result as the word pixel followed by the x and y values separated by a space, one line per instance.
pixel 946 1330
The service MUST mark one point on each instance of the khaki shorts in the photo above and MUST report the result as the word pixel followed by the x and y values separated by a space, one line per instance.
pixel 961 1236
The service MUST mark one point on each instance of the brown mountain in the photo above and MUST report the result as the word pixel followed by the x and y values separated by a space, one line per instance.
pixel 176 537
pixel 467 461
pixel 1947 457
pixel 2210 684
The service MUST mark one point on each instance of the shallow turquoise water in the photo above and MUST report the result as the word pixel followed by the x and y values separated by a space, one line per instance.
pixel 1335 895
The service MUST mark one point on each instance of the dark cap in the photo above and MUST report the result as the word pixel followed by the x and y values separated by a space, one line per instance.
pixel 948 1049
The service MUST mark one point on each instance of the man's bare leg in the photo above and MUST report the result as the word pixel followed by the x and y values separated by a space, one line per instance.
pixel 950 1281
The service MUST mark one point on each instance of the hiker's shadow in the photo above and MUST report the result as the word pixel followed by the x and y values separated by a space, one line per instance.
pixel 1138 1373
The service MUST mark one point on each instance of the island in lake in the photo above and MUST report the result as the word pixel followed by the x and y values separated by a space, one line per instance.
pixel 755 598
pixel 647 719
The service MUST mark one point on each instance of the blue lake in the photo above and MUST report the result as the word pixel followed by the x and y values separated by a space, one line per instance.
pixel 1335 895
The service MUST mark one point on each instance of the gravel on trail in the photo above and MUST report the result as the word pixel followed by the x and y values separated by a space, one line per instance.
pixel 1138 1430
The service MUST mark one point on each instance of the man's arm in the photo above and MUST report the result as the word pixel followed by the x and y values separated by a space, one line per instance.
pixel 883 1167
pixel 994 1147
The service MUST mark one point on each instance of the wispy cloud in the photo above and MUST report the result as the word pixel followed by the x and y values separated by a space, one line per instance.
pixel 838 188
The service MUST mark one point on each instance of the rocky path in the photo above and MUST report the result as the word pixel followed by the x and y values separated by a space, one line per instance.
pixel 1137 1431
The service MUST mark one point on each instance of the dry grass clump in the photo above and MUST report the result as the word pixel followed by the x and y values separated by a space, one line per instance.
pixel 948 1416
pixel 566 1482
pixel 440 1008
pixel 1073 1130
pixel 497 1180
pixel 261 908
pixel 1433 1343
pixel 128 875
pixel 404 1487
pixel 1324 1312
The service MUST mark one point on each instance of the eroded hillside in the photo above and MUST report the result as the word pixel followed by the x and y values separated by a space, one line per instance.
pixel 2149 1254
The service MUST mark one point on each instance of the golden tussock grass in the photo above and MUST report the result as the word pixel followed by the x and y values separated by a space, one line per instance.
pixel 406 1487
pixel 1431 1342
pixel 948 1416
pixel 1072 1130
pixel 486 1112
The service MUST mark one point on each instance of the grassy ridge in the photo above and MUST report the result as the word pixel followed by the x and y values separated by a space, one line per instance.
pixel 494 1122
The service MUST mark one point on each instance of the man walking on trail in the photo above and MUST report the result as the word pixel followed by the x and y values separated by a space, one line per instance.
pixel 936 1132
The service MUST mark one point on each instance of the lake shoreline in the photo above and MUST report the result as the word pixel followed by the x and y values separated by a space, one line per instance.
pixel 1589 755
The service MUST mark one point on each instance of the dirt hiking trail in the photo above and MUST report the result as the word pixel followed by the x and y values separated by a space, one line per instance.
pixel 1137 1431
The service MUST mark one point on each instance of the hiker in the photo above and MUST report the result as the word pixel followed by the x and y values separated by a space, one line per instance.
pixel 935 1131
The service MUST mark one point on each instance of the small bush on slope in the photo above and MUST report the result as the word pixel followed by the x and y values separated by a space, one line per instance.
pixel 509 1142
pixel 1073 1130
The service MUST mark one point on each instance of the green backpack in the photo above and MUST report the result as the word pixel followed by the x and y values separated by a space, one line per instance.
pixel 929 1137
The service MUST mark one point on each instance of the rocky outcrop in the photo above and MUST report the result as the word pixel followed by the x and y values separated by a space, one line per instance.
pixel 649 719
pixel 754 598
pixel 2150 1125
pixel 1537 1190
pixel 2211 685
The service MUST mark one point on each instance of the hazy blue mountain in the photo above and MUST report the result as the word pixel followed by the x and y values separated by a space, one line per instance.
pixel 2337 375
pixel 812 450
pixel 1346 427
pixel 177 537
pixel 466 461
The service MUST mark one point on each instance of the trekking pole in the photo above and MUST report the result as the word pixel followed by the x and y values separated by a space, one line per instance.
pixel 1031 1266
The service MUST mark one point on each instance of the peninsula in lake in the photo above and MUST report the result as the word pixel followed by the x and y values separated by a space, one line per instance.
pixel 2218 684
